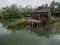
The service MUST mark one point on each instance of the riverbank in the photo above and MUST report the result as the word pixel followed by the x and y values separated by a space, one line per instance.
pixel 21 24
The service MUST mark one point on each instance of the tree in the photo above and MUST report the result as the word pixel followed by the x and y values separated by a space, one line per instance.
pixel 11 12
pixel 44 5
pixel 58 8
pixel 1 15
pixel 52 7
pixel 55 8
pixel 14 11
pixel 27 11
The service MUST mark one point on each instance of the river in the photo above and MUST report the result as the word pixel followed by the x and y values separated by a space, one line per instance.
pixel 25 37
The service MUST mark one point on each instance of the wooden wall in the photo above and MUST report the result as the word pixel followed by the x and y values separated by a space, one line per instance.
pixel 40 16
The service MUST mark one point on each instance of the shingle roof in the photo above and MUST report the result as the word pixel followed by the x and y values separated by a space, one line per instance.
pixel 42 10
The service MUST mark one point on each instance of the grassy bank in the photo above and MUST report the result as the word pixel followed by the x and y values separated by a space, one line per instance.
pixel 21 24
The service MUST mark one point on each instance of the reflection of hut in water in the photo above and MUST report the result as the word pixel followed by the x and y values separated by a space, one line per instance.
pixel 40 15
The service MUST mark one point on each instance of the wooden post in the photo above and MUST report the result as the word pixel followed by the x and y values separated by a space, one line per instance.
pixel 41 23
pixel 32 24
pixel 37 24
pixel 31 21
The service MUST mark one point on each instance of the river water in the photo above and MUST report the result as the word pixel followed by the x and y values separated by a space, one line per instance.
pixel 25 37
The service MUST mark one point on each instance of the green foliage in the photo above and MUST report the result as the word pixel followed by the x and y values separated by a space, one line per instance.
pixel 11 12
pixel 58 8
pixel 1 15
pixel 44 5
pixel 57 25
pixel 55 7
pixel 52 7
pixel 53 20
pixel 14 11
pixel 21 20
pixel 18 22
pixel 27 11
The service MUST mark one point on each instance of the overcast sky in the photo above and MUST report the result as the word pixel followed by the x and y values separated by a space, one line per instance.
pixel 24 2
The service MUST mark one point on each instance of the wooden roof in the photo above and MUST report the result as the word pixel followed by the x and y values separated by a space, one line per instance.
pixel 41 9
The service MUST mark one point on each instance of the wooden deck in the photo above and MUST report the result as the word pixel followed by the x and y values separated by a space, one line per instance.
pixel 32 21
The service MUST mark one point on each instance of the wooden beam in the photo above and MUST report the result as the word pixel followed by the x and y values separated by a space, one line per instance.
pixel 32 24
pixel 37 25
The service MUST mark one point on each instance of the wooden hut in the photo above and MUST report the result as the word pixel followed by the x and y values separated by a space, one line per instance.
pixel 41 15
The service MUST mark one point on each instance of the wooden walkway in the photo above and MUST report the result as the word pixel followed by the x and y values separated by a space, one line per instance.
pixel 37 21
pixel 32 21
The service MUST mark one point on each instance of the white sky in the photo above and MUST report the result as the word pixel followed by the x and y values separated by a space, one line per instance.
pixel 24 2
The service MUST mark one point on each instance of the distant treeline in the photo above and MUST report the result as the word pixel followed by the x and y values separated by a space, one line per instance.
pixel 55 8
pixel 14 11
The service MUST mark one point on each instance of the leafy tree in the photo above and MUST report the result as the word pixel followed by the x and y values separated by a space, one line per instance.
pixel 52 7
pixel 44 5
pixel 27 11
pixel 1 15
pixel 14 12
pixel 55 8
pixel 11 12
pixel 58 8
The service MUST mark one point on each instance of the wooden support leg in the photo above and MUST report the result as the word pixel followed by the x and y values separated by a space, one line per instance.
pixel 37 25
pixel 40 23
pixel 32 24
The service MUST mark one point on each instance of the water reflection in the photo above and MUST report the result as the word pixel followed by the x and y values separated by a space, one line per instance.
pixel 55 39
pixel 3 30
pixel 25 37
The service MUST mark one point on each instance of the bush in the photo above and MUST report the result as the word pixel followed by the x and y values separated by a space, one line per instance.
pixel 19 22
pixel 53 20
